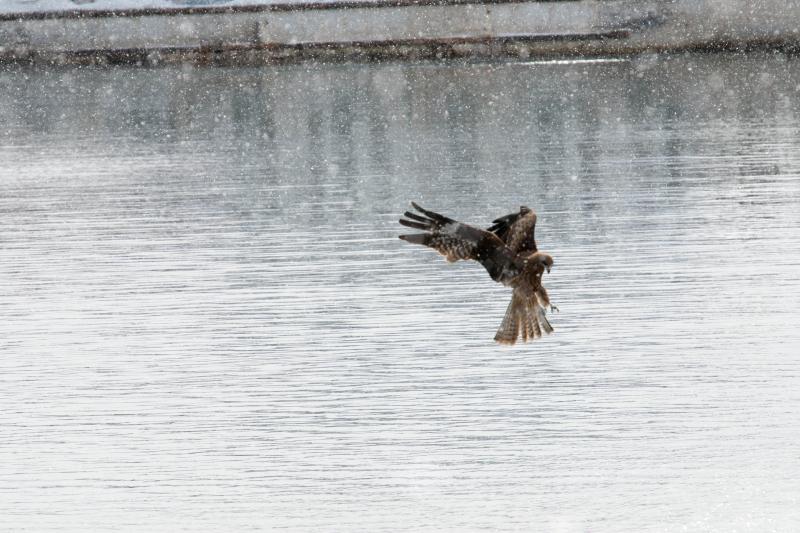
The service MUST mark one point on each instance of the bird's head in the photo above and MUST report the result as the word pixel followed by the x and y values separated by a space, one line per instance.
pixel 524 210
pixel 546 260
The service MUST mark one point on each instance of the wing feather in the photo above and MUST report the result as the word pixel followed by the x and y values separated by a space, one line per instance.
pixel 517 230
pixel 456 240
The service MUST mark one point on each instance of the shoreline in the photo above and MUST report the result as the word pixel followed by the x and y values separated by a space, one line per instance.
pixel 275 32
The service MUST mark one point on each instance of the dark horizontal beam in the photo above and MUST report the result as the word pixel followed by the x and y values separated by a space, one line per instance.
pixel 277 51
pixel 255 8
pixel 448 41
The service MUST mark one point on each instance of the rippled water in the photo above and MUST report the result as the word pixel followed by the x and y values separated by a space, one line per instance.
pixel 208 322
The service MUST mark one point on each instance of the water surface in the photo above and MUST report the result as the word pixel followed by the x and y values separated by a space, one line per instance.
pixel 209 324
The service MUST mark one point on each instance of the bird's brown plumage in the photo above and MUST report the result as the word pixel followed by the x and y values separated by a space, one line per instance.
pixel 507 250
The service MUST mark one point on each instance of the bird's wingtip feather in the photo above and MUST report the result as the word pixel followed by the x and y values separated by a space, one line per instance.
pixel 417 238
pixel 415 225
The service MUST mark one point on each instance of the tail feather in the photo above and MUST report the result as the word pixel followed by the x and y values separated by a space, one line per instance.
pixel 525 319
pixel 508 331
pixel 534 323
pixel 525 329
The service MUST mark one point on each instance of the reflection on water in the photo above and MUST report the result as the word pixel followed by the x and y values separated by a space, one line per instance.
pixel 208 322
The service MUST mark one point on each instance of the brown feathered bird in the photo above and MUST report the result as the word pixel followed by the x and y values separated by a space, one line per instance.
pixel 507 250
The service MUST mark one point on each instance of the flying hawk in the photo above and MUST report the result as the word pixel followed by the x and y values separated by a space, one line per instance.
pixel 507 250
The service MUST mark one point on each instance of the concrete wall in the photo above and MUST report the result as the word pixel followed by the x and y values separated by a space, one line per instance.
pixel 296 31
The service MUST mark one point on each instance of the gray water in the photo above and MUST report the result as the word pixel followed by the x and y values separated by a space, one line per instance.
pixel 207 321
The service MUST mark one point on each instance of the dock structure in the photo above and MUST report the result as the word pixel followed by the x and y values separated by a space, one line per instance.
pixel 257 32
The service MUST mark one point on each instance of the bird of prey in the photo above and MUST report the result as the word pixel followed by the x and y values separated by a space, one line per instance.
pixel 507 250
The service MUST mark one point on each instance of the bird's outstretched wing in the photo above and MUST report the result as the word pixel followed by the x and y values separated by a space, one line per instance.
pixel 456 240
pixel 516 230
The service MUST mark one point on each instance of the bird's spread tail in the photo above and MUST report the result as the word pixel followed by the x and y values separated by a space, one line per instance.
pixel 525 318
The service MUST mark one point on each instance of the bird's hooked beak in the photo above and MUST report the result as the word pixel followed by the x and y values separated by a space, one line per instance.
pixel 548 268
